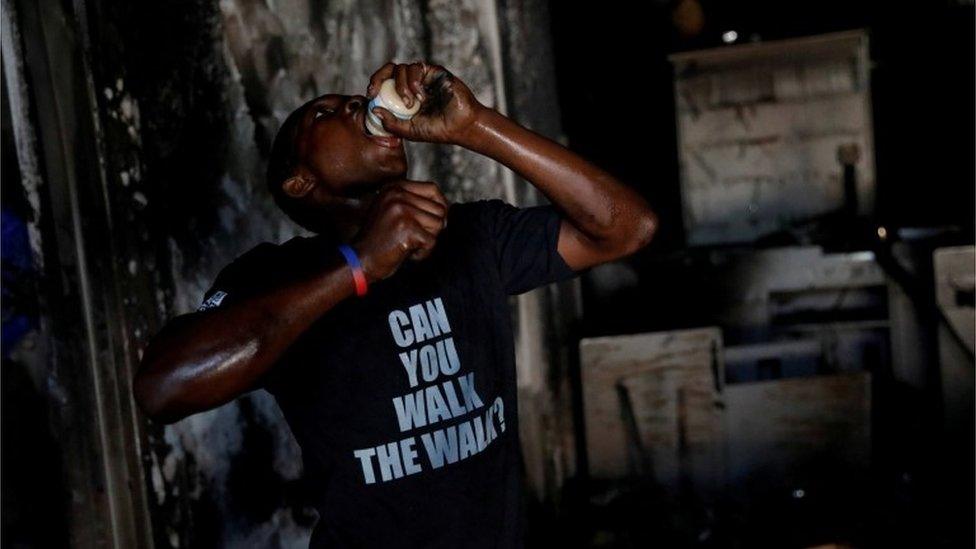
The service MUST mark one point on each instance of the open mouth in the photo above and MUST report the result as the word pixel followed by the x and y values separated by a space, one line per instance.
pixel 388 141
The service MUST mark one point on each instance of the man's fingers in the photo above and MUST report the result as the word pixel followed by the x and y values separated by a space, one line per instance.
pixel 422 242
pixel 437 82
pixel 426 189
pixel 415 78
pixel 393 124
pixel 423 195
pixel 422 254
pixel 432 223
pixel 411 81
pixel 432 207
pixel 384 72
pixel 434 73
pixel 401 79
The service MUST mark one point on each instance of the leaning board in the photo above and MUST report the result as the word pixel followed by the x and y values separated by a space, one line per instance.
pixel 652 405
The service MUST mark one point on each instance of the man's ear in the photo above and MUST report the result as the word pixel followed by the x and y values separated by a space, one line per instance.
pixel 298 185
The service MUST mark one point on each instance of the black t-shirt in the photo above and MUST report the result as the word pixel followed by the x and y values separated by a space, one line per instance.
pixel 404 401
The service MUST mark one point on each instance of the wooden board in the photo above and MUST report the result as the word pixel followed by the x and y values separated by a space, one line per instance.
pixel 775 427
pixel 955 279
pixel 652 405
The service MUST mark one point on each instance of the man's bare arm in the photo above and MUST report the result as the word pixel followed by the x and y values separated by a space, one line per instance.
pixel 606 219
pixel 202 360
pixel 603 218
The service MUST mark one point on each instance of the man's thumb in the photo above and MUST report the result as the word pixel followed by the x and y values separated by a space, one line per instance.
pixel 391 123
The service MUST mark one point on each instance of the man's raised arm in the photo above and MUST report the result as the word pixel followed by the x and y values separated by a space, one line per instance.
pixel 202 360
pixel 603 218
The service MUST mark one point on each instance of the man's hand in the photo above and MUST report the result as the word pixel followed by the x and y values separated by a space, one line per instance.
pixel 403 221
pixel 448 109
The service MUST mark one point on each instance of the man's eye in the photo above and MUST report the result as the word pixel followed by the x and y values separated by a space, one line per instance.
pixel 322 112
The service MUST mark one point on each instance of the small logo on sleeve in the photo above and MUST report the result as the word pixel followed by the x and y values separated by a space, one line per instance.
pixel 212 301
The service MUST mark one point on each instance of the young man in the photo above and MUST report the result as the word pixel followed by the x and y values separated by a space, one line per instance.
pixel 403 399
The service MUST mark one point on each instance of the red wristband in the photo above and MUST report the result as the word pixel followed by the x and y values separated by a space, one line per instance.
pixel 358 274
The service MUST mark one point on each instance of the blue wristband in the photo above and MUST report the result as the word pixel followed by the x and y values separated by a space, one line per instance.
pixel 358 274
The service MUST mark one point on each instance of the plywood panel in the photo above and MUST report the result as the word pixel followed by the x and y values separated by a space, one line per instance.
pixel 955 279
pixel 759 128
pixel 651 404
pixel 775 427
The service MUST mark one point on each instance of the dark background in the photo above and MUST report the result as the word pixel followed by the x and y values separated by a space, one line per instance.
pixel 919 489
pixel 922 92
pixel 922 82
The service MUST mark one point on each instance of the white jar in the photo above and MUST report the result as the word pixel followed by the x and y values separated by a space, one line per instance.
pixel 389 99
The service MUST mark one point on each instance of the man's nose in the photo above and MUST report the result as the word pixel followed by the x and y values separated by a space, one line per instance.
pixel 355 103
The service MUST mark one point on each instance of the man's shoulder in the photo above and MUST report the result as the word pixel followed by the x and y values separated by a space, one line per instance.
pixel 267 257
pixel 255 269
pixel 476 214
pixel 266 252
pixel 465 223
pixel 260 255
pixel 477 207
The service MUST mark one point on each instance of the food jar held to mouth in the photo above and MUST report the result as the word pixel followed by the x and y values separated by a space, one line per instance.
pixel 389 99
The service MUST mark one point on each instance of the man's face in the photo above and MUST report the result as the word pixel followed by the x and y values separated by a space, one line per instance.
pixel 333 144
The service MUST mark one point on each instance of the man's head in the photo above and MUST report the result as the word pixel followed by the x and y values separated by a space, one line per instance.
pixel 324 167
